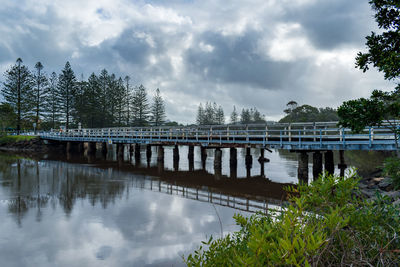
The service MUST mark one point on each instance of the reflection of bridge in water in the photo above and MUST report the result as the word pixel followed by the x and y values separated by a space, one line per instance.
pixel 41 182
pixel 303 138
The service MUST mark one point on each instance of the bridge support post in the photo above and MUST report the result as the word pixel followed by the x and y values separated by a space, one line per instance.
pixel 80 148
pixel 302 170
pixel 131 149
pixel 191 158
pixel 104 149
pixel 342 164
pixel 69 148
pixel 203 157
pixel 120 150
pixel 160 159
pixel 90 148
pixel 148 154
pixel 176 157
pixel 329 164
pixel 233 162
pixel 262 159
pixel 218 163
pixel 248 161
pixel 137 153
pixel 317 164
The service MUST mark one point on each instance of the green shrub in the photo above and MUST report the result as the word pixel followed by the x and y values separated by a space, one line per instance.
pixel 392 169
pixel 324 224
pixel 10 139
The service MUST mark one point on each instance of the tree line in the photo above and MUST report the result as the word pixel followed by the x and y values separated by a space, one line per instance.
pixel 50 101
pixel 213 114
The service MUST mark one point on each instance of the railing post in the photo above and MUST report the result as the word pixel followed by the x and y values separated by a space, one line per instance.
pixel 320 138
pixel 266 133
pixel 247 133
pixel 280 138
pixel 314 132
pixel 299 138
pixel 290 132
pixel 370 140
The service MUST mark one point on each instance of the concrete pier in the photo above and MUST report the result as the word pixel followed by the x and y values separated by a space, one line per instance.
pixel 248 162
pixel 317 164
pixel 160 159
pixel 137 153
pixel 262 161
pixel 104 149
pixel 342 166
pixel 302 170
pixel 218 163
pixel 203 152
pixel 191 158
pixel 89 148
pixel 120 151
pixel 329 164
pixel 176 157
pixel 148 154
pixel 233 162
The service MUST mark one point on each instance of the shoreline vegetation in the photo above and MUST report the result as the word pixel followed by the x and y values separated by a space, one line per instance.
pixel 326 223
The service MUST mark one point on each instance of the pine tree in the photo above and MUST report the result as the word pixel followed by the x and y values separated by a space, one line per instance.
pixel 17 91
pixel 158 109
pixel 80 113
pixel 220 117
pixel 209 114
pixel 94 103
pixel 245 116
pixel 66 86
pixel 200 115
pixel 257 117
pixel 234 116
pixel 103 82
pixel 53 101
pixel 140 106
pixel 119 100
pixel 41 91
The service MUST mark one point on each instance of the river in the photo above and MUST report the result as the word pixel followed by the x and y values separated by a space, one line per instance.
pixel 74 211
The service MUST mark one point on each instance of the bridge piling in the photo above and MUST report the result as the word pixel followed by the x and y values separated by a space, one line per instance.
pixel 233 162
pixel 176 157
pixel 342 164
pixel 148 154
pixel 317 164
pixel 329 164
pixel 203 152
pixel 89 148
pixel 120 150
pixel 191 158
pixel 137 153
pixel 248 162
pixel 218 163
pixel 160 159
pixel 302 170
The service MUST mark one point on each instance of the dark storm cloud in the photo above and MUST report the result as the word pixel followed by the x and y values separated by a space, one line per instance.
pixel 234 60
pixel 329 24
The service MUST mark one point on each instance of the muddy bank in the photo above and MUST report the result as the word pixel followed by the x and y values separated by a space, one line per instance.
pixel 33 145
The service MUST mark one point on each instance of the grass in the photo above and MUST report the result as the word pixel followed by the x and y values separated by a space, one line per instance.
pixel 11 139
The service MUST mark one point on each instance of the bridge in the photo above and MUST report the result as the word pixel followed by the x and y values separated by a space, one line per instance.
pixel 315 137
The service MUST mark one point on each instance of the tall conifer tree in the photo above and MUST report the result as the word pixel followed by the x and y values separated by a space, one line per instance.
pixel 158 109
pixel 67 87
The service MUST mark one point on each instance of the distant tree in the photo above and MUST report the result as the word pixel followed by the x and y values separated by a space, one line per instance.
pixel 257 117
pixel 104 93
pixel 158 109
pixel 53 101
pixel 140 106
pixel 41 91
pixel 209 114
pixel 17 91
pixel 200 118
pixel 120 94
pixel 80 110
pixel 95 117
pixel 245 116
pixel 66 86
pixel 291 105
pixel 307 113
pixel 219 116
pixel 234 116
pixel 7 116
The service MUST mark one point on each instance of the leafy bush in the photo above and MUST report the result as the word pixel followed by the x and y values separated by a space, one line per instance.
pixel 392 169
pixel 324 224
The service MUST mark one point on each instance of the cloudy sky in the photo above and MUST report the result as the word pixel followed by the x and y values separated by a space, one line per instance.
pixel 252 53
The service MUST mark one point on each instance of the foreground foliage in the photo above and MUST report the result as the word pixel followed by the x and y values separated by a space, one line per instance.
pixel 10 139
pixel 325 224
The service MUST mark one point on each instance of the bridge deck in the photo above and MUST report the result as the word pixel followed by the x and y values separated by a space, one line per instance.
pixel 295 136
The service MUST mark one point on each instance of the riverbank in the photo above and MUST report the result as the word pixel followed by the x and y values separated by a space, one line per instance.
pixel 22 143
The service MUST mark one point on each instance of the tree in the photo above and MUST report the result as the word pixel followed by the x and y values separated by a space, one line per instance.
pixel 158 109
pixel 234 116
pixel 53 101
pixel 7 116
pixel 17 91
pixel 291 105
pixel 41 91
pixel 200 119
pixel 257 117
pixel 383 53
pixel 80 113
pixel 94 92
pixel 128 99
pixel 245 116
pixel 103 82
pixel 140 106
pixel 219 116
pixel 209 114
pixel 66 86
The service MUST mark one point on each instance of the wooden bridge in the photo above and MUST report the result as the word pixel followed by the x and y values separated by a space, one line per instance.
pixel 303 138
pixel 291 136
